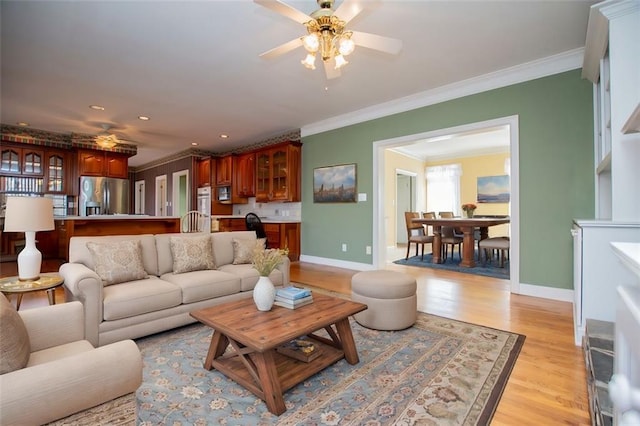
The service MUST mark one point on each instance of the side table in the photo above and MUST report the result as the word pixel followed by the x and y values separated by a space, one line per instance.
pixel 47 282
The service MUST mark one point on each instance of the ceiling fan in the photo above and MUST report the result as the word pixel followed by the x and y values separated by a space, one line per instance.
pixel 327 35
pixel 106 139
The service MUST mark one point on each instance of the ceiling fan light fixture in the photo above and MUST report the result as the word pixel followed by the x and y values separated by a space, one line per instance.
pixel 309 61
pixel 106 141
pixel 311 42
pixel 346 46
pixel 340 61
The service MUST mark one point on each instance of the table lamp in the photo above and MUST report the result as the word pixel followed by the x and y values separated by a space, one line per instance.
pixel 29 215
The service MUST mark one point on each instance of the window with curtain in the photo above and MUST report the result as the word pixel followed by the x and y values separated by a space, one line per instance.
pixel 443 188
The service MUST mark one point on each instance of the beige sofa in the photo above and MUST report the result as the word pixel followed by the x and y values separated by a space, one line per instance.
pixel 51 374
pixel 162 299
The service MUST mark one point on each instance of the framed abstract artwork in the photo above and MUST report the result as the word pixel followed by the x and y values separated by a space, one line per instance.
pixel 494 189
pixel 335 184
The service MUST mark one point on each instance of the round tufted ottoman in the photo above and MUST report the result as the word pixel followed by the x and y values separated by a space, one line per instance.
pixel 390 296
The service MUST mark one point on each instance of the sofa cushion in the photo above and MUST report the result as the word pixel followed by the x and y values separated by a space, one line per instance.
pixel 15 346
pixel 243 249
pixel 79 253
pixel 203 285
pixel 223 245
pixel 191 254
pixel 58 352
pixel 139 297
pixel 117 261
pixel 163 247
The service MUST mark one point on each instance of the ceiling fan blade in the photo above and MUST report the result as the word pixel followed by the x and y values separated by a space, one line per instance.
pixel 376 42
pixel 330 69
pixel 282 49
pixel 284 9
pixel 349 9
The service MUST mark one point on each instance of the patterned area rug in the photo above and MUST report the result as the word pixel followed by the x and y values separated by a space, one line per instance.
pixel 438 372
pixel 490 269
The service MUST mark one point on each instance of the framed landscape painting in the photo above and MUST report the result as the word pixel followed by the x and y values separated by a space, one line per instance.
pixel 335 184
pixel 493 189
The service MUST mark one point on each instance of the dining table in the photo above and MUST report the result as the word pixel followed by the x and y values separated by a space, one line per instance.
pixel 467 225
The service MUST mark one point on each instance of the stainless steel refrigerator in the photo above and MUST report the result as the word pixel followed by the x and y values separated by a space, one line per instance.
pixel 102 195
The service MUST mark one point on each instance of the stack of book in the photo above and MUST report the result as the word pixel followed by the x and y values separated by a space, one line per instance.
pixel 293 297
pixel 300 349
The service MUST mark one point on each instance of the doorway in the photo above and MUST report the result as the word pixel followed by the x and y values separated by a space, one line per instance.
pixel 161 196
pixel 405 202
pixel 379 147
pixel 139 197
pixel 181 194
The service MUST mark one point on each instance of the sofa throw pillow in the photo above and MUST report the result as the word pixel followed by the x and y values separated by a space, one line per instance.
pixel 243 250
pixel 117 261
pixel 192 254
pixel 15 347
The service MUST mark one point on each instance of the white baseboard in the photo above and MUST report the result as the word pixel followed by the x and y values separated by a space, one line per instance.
pixel 560 294
pixel 337 263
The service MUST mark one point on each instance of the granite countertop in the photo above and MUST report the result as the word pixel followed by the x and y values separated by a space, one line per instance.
pixel 114 216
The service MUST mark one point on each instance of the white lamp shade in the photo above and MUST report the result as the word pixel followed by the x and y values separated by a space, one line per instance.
pixel 24 214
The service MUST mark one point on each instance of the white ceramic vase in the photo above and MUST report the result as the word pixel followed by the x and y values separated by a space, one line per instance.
pixel 264 294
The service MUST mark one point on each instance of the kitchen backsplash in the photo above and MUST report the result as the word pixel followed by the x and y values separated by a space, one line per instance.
pixel 284 210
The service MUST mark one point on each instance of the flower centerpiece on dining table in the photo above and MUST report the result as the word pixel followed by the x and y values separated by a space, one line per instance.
pixel 469 208
pixel 265 261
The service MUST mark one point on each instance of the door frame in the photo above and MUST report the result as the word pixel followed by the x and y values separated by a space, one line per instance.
pixel 380 146
pixel 400 221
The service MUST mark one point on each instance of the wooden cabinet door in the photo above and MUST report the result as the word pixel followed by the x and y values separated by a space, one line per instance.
pixel 117 165
pixel 263 176
pixel 224 170
pixel 203 172
pixel 91 163
pixel 10 160
pixel 56 172
pixel 32 162
pixel 244 172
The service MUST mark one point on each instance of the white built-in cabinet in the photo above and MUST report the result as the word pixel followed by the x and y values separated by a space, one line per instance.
pixel 612 63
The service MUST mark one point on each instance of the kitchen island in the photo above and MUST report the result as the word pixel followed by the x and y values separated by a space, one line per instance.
pixel 119 224
pixel 282 232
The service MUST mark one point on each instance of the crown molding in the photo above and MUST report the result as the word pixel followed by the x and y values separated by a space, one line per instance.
pixel 555 64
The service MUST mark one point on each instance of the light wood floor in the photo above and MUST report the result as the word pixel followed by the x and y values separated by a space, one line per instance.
pixel 548 383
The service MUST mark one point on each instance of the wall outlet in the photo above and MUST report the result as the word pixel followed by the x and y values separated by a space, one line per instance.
pixel 368 249
pixel 344 247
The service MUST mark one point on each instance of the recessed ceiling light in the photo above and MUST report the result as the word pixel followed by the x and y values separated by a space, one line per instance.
pixel 22 124
pixel 97 107
pixel 194 143
pixel 223 136
pixel 143 118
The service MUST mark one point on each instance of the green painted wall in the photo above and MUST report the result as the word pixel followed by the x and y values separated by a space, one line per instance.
pixel 556 171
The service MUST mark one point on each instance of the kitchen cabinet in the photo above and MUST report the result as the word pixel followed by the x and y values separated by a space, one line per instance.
pixel 29 170
pixel 57 172
pixel 231 224
pixel 278 173
pixel 244 175
pixel 102 163
pixel 224 170
pixel 22 161
pixel 203 172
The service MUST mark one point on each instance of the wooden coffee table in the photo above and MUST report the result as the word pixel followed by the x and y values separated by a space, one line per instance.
pixel 254 336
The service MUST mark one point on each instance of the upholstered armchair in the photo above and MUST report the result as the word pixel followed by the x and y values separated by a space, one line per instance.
pixel 49 373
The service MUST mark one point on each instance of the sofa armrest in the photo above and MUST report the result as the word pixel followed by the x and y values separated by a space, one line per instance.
pixel 285 267
pixel 84 285
pixel 53 390
pixel 55 325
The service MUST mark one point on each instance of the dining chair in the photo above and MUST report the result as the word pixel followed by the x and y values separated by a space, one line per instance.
pixel 449 239
pixel 192 221
pixel 416 234
pixel 254 223
pixel 499 245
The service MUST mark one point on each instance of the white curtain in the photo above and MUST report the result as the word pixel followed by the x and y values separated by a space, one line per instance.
pixel 443 188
